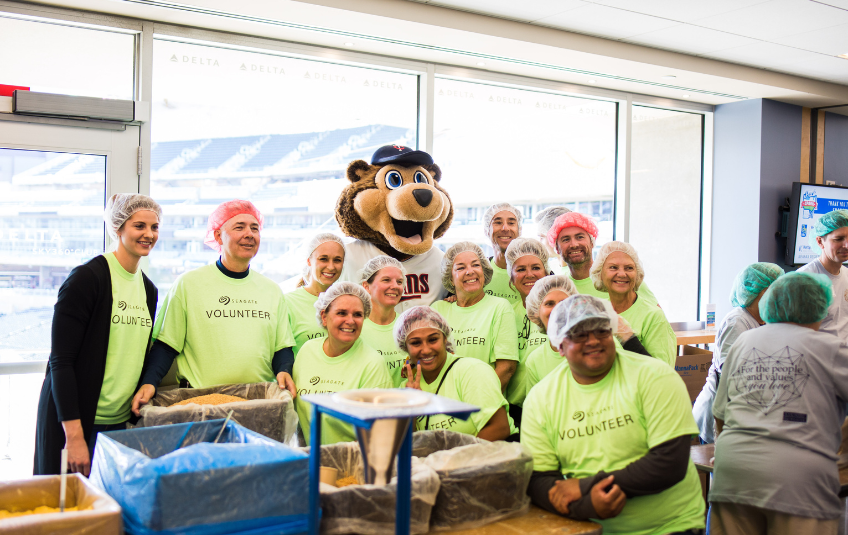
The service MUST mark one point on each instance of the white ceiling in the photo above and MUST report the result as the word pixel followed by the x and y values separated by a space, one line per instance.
pixel 800 37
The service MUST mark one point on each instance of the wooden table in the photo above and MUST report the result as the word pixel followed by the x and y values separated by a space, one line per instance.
pixel 686 338
pixel 702 455
pixel 536 522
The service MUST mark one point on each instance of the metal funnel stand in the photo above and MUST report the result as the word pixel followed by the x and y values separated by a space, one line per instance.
pixel 382 420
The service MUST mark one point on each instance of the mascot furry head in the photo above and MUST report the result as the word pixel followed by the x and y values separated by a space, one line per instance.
pixel 395 202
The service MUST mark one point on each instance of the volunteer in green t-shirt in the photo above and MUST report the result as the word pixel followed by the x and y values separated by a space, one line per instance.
pixel 224 323
pixel 433 367
pixel 384 278
pixel 619 273
pixel 324 262
pixel 544 220
pixel 502 224
pixel 525 260
pixel 339 361
pixel 483 325
pixel 544 296
pixel 573 236
pixel 101 331
pixel 610 431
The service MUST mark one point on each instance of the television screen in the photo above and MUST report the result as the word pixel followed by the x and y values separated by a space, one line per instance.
pixel 808 203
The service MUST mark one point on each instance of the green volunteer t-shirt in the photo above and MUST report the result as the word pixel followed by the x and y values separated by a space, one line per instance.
pixel 302 319
pixel 529 338
pixel 583 429
pixel 129 332
pixel 484 331
pixel 469 381
pixel 499 285
pixel 542 361
pixel 653 330
pixel 226 330
pixel 316 373
pixel 381 338
pixel 587 287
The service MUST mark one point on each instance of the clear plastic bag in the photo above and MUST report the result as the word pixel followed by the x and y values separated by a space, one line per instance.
pixel 269 410
pixel 481 481
pixel 370 509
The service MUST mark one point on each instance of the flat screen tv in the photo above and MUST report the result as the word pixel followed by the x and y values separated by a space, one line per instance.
pixel 806 205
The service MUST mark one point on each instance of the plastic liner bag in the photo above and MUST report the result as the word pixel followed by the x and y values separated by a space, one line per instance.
pixel 269 410
pixel 102 515
pixel 173 480
pixel 370 509
pixel 482 481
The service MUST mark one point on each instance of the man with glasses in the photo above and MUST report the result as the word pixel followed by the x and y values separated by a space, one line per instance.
pixel 617 424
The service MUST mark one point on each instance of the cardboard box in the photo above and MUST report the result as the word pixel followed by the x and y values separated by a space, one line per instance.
pixel 692 366
pixel 103 516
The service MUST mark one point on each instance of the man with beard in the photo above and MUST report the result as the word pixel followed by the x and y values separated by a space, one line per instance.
pixel 573 237
pixel 502 224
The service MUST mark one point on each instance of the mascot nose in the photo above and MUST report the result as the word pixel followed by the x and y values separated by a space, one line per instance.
pixel 423 196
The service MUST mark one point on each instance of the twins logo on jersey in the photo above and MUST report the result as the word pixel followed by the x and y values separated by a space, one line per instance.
pixel 417 286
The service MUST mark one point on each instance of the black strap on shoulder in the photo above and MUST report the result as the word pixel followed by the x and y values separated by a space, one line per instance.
pixel 427 422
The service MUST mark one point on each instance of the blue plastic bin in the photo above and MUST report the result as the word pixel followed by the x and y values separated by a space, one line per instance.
pixel 172 480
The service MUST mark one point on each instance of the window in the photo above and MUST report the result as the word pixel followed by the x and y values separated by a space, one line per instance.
pixel 274 130
pixel 529 148
pixel 52 58
pixel 665 206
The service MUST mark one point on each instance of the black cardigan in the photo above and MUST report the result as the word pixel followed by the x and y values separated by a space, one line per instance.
pixel 77 364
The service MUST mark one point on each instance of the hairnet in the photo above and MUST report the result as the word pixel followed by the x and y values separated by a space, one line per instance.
pixel 545 219
pixel 751 281
pixel 493 210
pixel 337 290
pixel 450 257
pixel 376 264
pixel 540 290
pixel 421 317
pixel 525 247
pixel 223 213
pixel 613 247
pixel 317 241
pixel 797 298
pixel 572 219
pixel 578 309
pixel 122 206
pixel 827 224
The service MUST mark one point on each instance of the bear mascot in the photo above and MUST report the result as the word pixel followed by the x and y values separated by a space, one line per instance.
pixel 395 206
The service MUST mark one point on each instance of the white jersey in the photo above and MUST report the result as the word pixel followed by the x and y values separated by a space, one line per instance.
pixel 423 273
pixel 836 321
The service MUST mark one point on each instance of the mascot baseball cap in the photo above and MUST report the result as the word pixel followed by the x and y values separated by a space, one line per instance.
pixel 400 154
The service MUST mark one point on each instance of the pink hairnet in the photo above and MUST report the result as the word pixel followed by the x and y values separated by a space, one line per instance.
pixel 225 212
pixel 571 219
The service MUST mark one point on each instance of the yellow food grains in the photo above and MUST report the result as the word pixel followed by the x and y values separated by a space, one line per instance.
pixel 37 511
pixel 210 399
pixel 345 481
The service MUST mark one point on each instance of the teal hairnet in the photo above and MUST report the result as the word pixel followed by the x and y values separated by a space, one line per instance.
pixel 797 298
pixel 751 281
pixel 827 224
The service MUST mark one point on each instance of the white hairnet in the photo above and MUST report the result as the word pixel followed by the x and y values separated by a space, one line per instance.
pixel 450 257
pixel 122 206
pixel 337 290
pixel 545 219
pixel 421 317
pixel 541 289
pixel 595 312
pixel 314 243
pixel 490 213
pixel 609 248
pixel 525 247
pixel 376 264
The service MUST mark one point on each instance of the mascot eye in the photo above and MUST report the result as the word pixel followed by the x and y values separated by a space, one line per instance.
pixel 393 180
pixel 420 178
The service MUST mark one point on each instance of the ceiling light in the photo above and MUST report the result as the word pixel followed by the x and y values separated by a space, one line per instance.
pixel 843 56
pixel 348 44
pixel 669 77
pixel 481 64
pixel 685 96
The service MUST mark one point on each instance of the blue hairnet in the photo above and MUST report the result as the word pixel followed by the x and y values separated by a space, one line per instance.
pixel 751 281
pixel 797 298
pixel 827 224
